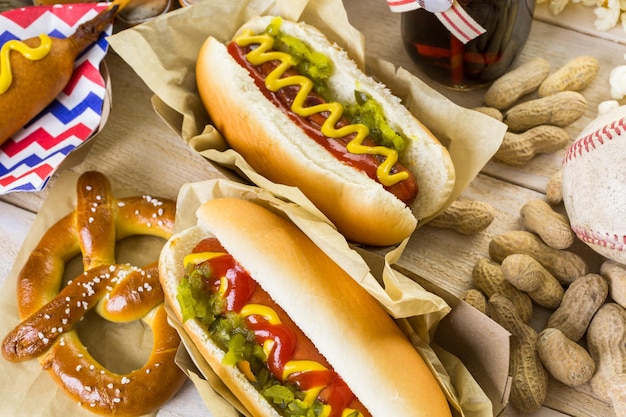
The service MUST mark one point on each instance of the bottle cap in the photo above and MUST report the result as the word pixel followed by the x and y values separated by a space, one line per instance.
pixel 435 6
pixel 449 12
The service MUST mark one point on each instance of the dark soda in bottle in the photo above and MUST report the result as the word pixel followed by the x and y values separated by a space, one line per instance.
pixel 450 62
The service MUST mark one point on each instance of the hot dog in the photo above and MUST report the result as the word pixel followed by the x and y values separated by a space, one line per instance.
pixel 307 336
pixel 301 113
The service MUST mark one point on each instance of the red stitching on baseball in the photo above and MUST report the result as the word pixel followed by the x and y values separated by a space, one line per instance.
pixel 620 125
pixel 596 138
pixel 604 240
pixel 598 135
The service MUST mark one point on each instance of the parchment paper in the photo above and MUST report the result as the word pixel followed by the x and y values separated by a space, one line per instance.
pixel 149 49
pixel 417 310
pixel 471 137
pixel 27 390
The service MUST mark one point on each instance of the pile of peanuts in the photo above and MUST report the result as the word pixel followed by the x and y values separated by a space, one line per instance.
pixel 537 124
pixel 584 338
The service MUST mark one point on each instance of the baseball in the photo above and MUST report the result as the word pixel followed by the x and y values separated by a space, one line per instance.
pixel 594 185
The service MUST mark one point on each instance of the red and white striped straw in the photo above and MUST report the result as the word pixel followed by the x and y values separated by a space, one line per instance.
pixel 455 18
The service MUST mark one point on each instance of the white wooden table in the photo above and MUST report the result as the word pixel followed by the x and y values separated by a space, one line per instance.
pixel 139 152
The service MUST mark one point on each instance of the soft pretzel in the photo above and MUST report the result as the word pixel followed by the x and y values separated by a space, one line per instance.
pixel 118 292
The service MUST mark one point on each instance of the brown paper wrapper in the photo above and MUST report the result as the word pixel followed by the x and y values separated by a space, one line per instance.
pixel 418 311
pixel 472 140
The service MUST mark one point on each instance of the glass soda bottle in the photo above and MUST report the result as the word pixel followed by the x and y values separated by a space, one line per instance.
pixel 450 62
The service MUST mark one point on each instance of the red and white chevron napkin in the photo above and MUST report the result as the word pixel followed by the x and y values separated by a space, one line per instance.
pixel 449 12
pixel 30 157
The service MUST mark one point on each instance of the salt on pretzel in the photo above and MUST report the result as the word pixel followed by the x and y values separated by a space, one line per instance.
pixel 118 292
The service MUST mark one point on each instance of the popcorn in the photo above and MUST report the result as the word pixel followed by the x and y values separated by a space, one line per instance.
pixel 557 6
pixel 607 14
pixel 617 81
pixel 589 3
pixel 607 106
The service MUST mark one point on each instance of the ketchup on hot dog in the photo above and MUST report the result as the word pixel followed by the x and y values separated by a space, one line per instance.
pixel 248 325
pixel 323 121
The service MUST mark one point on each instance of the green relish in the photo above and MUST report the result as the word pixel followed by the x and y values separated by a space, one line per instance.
pixel 369 112
pixel 230 333
pixel 319 68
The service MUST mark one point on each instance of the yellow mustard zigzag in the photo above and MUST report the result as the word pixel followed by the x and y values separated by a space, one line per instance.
pixel 292 366
pixel 275 81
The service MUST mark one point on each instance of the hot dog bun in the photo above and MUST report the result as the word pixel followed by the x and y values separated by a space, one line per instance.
pixel 279 150
pixel 348 327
